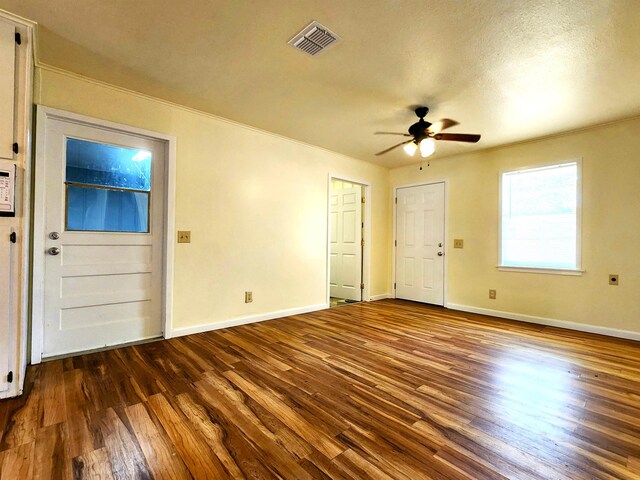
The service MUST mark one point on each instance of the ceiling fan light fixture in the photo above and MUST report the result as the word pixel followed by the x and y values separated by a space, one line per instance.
pixel 427 147
pixel 424 133
pixel 410 148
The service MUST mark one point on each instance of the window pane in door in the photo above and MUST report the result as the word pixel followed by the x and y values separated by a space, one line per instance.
pixel 107 210
pixel 92 163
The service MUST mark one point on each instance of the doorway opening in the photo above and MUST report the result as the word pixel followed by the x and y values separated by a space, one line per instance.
pixel 348 246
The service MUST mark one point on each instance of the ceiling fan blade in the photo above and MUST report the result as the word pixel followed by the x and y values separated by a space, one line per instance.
pixel 440 125
pixel 457 137
pixel 391 148
pixel 392 133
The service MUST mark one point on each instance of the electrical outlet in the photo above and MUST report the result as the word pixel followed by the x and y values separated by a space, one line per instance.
pixel 248 297
pixel 492 294
pixel 458 243
pixel 184 236
pixel 614 279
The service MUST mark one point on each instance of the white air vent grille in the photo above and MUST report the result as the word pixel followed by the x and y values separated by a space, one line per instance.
pixel 314 39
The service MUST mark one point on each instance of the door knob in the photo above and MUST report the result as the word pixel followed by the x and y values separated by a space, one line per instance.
pixel 440 254
pixel 54 235
pixel 53 251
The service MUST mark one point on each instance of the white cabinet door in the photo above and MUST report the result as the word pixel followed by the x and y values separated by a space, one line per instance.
pixel 420 249
pixel 345 266
pixel 7 88
pixel 7 99
pixel 5 305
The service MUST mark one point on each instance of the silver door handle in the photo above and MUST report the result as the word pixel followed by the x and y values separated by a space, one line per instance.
pixel 440 254
pixel 53 251
pixel 56 236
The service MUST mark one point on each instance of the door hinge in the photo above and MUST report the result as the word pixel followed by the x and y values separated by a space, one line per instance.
pixel 362 242
pixel 394 285
pixel 10 377
pixel 363 200
pixel 14 147
pixel 395 243
pixel 396 199
pixel 18 38
pixel 13 238
pixel 362 286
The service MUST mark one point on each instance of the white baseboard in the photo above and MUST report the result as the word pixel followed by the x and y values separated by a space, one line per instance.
pixel 233 322
pixel 552 322
pixel 382 296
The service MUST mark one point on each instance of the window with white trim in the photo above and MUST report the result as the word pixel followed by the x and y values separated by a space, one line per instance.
pixel 539 221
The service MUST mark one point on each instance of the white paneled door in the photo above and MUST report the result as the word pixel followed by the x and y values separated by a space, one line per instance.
pixel 420 243
pixel 104 237
pixel 345 243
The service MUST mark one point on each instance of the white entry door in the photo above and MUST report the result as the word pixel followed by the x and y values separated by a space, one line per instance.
pixel 420 243
pixel 345 265
pixel 103 243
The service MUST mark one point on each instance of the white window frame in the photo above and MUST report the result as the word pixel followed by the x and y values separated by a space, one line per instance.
pixel 555 271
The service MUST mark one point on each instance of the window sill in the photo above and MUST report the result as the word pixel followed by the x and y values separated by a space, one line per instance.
pixel 549 271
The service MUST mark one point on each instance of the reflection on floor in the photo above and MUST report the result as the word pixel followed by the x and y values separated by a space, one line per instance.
pixel 338 302
pixel 390 390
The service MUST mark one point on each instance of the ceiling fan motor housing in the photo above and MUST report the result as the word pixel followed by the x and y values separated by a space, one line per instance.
pixel 419 129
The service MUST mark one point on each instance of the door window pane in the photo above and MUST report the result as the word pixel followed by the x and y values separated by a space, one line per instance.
pixel 108 187
pixel 91 163
pixel 107 210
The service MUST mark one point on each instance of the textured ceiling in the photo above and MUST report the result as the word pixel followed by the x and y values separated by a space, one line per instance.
pixel 510 70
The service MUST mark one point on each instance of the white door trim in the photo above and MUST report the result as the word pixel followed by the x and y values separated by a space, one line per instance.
pixel 37 306
pixel 366 253
pixel 446 233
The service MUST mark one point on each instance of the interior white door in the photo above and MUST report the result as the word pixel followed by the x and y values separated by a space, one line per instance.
pixel 104 237
pixel 345 266
pixel 420 243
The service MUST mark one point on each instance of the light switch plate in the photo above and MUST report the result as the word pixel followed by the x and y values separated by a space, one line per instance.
pixel 458 243
pixel 184 236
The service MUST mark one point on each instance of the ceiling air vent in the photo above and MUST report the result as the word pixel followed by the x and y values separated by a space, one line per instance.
pixel 314 39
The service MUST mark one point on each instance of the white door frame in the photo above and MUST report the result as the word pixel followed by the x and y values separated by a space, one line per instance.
pixel 446 231
pixel 37 306
pixel 366 251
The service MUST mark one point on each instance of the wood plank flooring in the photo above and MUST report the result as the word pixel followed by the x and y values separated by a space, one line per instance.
pixel 381 390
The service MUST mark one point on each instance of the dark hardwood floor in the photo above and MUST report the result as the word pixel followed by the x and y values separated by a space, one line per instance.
pixel 382 390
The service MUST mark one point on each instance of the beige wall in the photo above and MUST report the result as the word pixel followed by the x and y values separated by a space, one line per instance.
pixel 256 204
pixel 610 228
